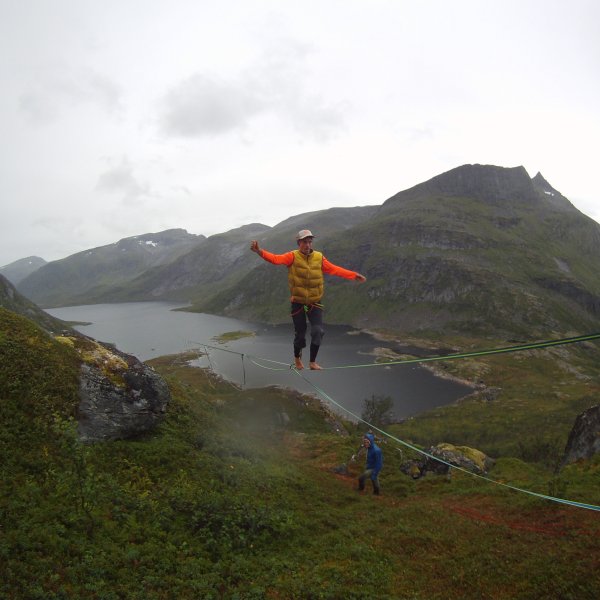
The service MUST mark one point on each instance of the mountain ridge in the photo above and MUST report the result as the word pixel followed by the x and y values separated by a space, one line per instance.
pixel 480 248
pixel 90 272
pixel 508 257
pixel 16 271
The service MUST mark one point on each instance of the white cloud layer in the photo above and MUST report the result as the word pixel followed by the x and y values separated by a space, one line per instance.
pixel 125 117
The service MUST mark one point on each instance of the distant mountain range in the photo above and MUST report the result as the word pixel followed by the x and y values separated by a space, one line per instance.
pixel 478 249
pixel 86 276
pixel 17 271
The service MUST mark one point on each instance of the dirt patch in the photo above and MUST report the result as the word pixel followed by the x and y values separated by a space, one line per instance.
pixel 545 521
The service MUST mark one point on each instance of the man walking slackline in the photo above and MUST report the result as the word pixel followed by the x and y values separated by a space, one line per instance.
pixel 305 277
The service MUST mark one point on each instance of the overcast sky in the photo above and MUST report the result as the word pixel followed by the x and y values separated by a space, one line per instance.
pixel 122 117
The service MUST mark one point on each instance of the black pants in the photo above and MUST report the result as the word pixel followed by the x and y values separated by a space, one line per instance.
pixel 368 474
pixel 314 314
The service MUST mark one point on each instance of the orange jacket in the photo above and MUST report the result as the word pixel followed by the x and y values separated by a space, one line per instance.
pixel 287 259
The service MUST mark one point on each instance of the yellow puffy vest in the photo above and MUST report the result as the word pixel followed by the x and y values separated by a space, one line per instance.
pixel 305 277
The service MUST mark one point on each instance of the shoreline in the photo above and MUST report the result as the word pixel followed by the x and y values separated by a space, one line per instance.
pixel 439 372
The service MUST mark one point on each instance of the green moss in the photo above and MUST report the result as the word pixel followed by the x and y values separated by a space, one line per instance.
pixel 474 455
pixel 232 336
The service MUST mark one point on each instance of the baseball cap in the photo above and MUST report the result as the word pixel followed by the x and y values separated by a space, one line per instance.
pixel 304 233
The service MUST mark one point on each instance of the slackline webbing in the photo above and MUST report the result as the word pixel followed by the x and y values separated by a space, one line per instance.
pixel 328 398
pixel 408 361
pixel 520 348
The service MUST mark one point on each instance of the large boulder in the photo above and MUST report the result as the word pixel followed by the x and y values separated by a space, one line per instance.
pixel 467 458
pixel 120 397
pixel 584 439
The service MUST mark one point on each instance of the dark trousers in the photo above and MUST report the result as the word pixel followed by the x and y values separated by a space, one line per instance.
pixel 314 314
pixel 368 474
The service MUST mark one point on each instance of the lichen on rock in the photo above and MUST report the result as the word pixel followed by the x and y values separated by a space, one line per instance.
pixel 464 457
pixel 120 397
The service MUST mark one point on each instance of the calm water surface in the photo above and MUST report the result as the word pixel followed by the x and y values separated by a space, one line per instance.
pixel 151 329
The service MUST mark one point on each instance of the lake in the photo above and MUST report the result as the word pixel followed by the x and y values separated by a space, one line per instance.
pixel 151 329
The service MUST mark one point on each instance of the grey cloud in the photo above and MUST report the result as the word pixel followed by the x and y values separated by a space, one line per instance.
pixel 203 105
pixel 313 116
pixel 43 101
pixel 38 107
pixel 121 180
pixel 278 84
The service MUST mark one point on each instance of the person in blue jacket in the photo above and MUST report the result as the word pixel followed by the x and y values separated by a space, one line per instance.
pixel 373 465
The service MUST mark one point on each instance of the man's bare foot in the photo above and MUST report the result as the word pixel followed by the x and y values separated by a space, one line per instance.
pixel 315 367
pixel 298 363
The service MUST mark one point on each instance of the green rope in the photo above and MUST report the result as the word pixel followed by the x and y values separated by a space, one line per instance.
pixel 250 356
pixel 253 361
pixel 533 346
pixel 326 396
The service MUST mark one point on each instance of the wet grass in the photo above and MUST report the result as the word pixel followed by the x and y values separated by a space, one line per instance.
pixel 233 496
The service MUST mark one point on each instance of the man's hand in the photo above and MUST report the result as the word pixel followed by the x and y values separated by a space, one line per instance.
pixel 360 278
pixel 254 246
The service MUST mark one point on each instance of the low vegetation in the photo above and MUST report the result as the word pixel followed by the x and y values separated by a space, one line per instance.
pixel 232 336
pixel 234 496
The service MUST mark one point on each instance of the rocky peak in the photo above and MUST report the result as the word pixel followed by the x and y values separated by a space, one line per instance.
pixel 487 183
pixel 549 194
pixel 484 181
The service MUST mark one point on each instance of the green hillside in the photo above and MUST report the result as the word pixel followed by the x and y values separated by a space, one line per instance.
pixel 480 249
pixel 228 499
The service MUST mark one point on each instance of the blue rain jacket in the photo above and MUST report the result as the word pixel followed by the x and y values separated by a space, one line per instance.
pixel 374 456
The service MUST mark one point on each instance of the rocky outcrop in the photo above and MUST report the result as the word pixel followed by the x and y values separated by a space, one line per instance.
pixel 464 457
pixel 584 439
pixel 120 397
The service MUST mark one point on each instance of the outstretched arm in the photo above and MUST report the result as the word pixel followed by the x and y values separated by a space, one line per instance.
pixel 276 259
pixel 331 269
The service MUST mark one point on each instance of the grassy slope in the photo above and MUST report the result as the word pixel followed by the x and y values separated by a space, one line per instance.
pixel 223 502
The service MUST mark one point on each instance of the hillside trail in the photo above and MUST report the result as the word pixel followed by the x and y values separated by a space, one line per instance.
pixel 544 519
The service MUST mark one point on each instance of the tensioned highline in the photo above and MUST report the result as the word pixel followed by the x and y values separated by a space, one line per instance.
pixel 325 396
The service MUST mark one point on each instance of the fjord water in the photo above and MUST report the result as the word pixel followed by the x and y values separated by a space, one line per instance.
pixel 151 329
